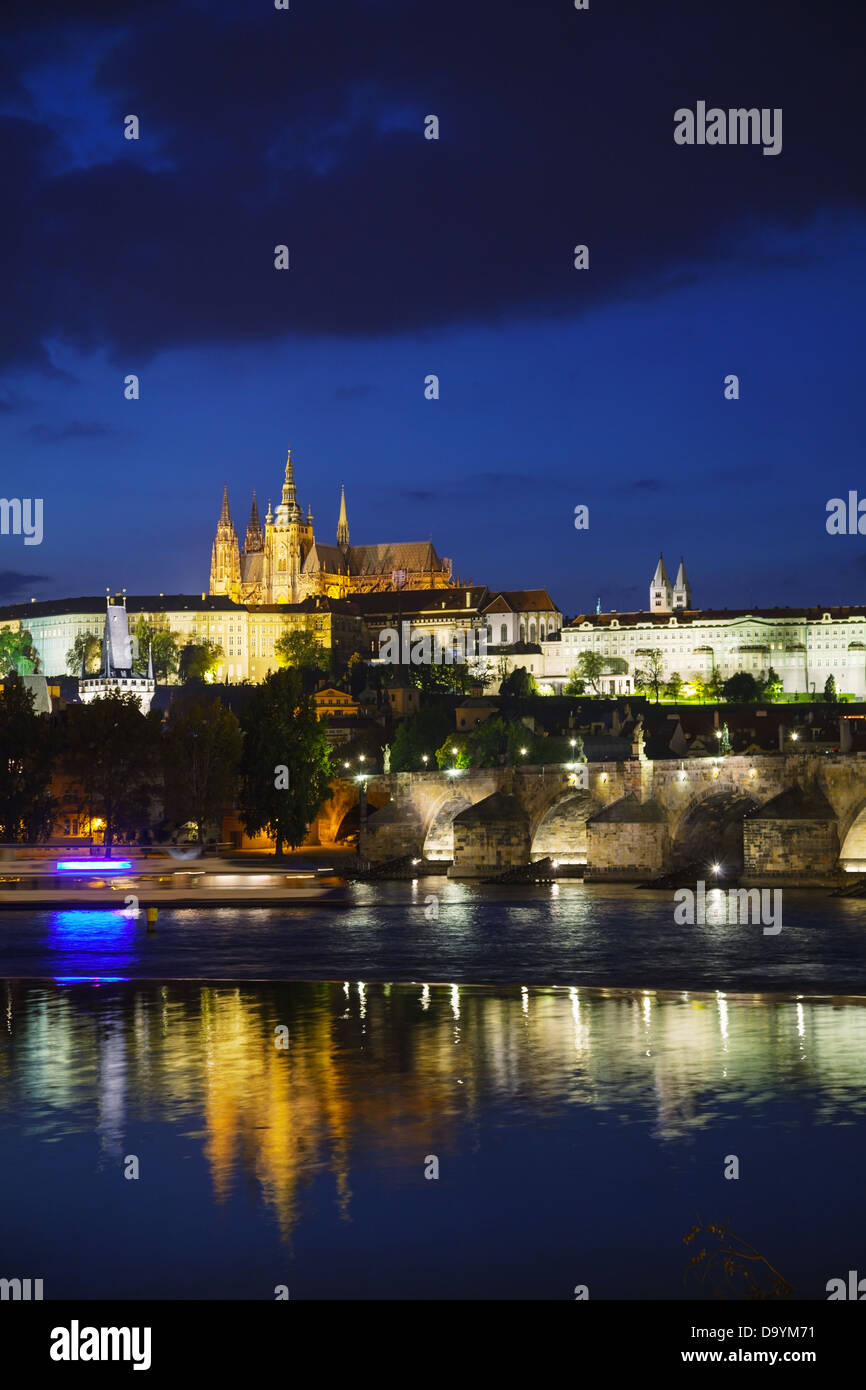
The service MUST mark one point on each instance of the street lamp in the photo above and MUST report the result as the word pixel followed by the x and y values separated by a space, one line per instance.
pixel 425 759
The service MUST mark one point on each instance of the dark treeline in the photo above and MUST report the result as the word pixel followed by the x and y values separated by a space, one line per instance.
pixel 148 777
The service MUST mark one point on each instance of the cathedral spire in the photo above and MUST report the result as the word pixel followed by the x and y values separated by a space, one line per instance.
pixel 225 514
pixel 343 523
pixel 290 495
pixel 254 540
pixel 682 588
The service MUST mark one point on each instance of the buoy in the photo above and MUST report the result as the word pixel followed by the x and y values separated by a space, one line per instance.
pixel 152 914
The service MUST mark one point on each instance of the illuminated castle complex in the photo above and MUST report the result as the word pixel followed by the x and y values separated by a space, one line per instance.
pixel 284 563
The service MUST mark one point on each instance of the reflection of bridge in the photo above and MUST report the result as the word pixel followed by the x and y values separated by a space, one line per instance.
pixel 796 817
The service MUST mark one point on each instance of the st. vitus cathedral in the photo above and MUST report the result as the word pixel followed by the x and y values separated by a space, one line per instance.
pixel 284 563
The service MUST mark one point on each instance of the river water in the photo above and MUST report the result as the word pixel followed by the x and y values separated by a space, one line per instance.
pixel 532 1091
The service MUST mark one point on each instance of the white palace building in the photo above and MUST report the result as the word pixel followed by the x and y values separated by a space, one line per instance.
pixel 522 627
pixel 803 645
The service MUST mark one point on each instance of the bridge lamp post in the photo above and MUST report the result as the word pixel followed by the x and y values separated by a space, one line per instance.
pixel 361 779
pixel 425 760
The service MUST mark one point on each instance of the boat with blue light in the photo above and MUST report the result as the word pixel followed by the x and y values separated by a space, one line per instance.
pixel 132 884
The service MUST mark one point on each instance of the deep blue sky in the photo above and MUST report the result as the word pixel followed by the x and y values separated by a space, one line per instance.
pixel 455 257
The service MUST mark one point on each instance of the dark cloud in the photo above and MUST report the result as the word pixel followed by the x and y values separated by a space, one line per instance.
pixel 477 485
pixel 15 585
pixel 76 429
pixel 305 127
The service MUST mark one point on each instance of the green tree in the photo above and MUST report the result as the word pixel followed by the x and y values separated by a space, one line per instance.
pixel 17 652
pixel 711 688
pixel 419 733
pixel 575 685
pixel 741 689
pixel 771 686
pixel 110 750
pixel 281 731
pixel 201 757
pixel 650 675
pixel 162 643
pixel 87 648
pixel 519 684
pixel 441 679
pixel 495 741
pixel 674 686
pixel 590 667
pixel 446 756
pixel 830 693
pixel 299 649
pixel 198 660
pixel 26 752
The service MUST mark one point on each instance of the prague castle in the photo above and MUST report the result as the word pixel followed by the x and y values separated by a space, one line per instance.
pixel 284 563
pixel 344 596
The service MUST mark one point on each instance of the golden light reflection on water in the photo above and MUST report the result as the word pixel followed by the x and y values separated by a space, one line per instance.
pixel 382 1075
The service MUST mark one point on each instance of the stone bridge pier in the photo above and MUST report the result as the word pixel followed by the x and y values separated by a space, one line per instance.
pixel 785 818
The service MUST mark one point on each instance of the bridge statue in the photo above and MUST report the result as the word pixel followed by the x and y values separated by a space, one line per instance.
pixel 637 748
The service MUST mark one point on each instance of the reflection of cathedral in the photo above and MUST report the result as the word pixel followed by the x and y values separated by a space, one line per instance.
pixel 285 563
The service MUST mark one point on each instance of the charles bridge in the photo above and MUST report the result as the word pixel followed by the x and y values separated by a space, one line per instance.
pixel 791 817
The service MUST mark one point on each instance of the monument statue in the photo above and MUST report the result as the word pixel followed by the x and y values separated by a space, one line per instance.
pixel 637 737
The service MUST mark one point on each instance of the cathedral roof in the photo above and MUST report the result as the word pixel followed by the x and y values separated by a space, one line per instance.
pixel 402 555
pixel 327 558
pixel 252 566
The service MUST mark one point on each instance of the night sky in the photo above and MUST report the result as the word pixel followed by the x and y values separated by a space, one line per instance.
pixel 455 257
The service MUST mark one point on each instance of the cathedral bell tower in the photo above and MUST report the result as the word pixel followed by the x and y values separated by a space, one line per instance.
pixel 288 538
pixel 225 563
pixel 661 590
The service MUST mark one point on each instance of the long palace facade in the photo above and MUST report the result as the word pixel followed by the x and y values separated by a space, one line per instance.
pixel 522 628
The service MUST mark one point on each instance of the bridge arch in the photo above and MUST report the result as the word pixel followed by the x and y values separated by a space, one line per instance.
pixel 439 836
pixel 560 831
pixel 710 829
pixel 852 839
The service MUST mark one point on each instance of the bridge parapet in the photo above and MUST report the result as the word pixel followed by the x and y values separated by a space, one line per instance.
pixel 717 799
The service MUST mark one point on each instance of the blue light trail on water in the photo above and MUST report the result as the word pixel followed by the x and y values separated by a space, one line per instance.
pixel 85 865
pixel 90 945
